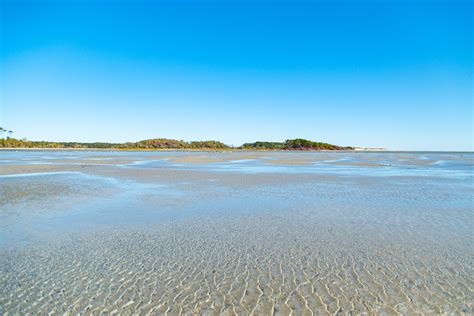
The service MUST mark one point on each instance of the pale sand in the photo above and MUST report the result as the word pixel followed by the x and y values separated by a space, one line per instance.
pixel 355 163
pixel 263 265
pixel 7 169
pixel 218 157
pixel 86 161
pixel 291 160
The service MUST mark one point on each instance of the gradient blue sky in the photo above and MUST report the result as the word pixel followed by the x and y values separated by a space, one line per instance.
pixel 379 73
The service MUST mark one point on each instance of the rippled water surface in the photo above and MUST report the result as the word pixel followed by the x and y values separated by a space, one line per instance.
pixel 236 232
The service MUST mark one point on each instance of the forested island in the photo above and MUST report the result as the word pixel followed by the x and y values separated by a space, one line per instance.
pixel 165 143
pixel 293 144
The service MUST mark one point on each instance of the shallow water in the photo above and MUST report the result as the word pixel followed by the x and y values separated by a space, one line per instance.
pixel 235 233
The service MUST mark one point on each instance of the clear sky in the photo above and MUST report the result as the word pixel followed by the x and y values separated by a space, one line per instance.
pixel 379 73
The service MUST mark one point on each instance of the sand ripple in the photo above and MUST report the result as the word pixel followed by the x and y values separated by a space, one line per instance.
pixel 241 265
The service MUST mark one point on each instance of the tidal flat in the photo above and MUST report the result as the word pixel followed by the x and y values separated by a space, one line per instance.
pixel 244 232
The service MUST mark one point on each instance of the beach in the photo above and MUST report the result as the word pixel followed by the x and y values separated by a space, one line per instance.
pixel 235 232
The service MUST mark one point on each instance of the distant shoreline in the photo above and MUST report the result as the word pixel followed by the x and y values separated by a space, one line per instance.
pixel 173 144
pixel 230 150
pixel 172 149
pixel 182 149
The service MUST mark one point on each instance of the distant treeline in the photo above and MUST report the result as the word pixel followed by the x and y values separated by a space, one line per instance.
pixel 164 143
pixel 294 144
pixel 160 143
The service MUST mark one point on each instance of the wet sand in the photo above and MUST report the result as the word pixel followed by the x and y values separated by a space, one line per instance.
pixel 236 233
pixel 241 265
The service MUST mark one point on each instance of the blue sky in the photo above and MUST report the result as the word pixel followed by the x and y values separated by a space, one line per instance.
pixel 378 73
